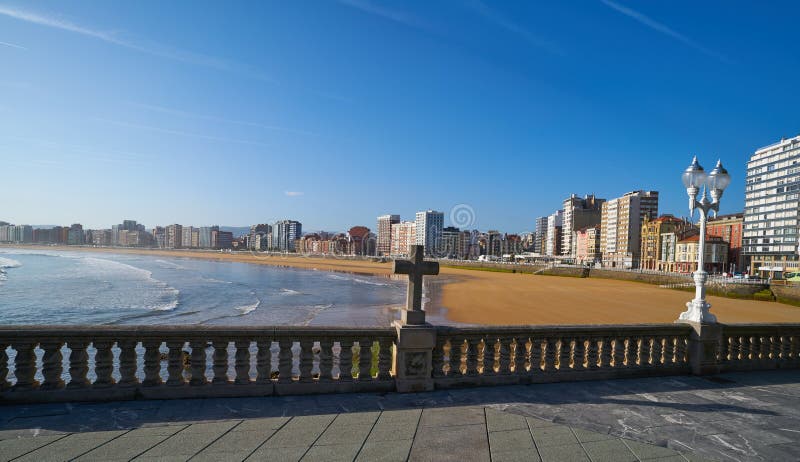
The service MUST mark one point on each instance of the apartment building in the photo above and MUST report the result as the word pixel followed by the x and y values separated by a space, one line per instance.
pixel 621 225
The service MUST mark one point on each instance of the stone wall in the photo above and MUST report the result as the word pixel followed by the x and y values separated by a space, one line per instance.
pixel 575 272
pixel 789 294
pixel 648 278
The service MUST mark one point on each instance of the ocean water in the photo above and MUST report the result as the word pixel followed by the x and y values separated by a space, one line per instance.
pixel 62 287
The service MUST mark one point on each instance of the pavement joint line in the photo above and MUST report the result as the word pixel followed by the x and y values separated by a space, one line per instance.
pixel 530 430
pixel 367 437
pixel 572 430
pixel 161 442
pixel 416 430
pixel 216 439
pixel 40 447
pixel 103 444
pixel 488 443
pixel 269 437
pixel 320 436
pixel 625 442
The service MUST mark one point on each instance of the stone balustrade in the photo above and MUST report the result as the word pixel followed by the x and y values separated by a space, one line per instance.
pixel 745 347
pixel 58 363
pixel 487 355
pixel 77 363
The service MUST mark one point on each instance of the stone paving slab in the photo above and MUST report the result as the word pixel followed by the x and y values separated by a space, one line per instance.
pixel 731 417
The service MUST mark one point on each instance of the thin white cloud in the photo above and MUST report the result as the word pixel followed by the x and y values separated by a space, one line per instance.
pixel 180 133
pixel 500 20
pixel 151 48
pixel 397 16
pixel 191 115
pixel 663 29
pixel 13 45
pixel 293 193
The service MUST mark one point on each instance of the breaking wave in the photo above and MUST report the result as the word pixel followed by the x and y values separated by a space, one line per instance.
pixel 357 280
pixel 9 263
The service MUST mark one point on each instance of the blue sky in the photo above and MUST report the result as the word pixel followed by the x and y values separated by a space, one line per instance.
pixel 336 112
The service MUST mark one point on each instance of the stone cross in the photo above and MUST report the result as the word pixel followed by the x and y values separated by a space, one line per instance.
pixel 416 268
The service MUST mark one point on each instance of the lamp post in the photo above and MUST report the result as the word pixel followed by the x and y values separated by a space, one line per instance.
pixel 714 183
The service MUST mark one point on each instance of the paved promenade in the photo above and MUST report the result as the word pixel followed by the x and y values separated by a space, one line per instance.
pixel 743 417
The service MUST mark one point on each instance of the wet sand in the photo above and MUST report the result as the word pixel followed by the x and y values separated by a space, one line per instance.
pixel 491 298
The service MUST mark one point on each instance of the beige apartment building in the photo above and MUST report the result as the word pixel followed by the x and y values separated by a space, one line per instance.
pixel 404 235
pixel 621 225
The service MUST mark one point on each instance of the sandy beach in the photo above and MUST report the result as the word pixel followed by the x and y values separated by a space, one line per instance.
pixel 492 298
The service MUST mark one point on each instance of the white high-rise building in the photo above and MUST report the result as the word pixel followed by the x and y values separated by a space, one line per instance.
pixel 404 235
pixel 769 237
pixel 579 213
pixel 430 225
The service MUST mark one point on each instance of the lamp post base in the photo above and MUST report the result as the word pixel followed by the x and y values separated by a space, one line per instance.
pixel 697 311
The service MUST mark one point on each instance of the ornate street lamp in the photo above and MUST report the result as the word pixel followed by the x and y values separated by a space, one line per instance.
pixel 715 183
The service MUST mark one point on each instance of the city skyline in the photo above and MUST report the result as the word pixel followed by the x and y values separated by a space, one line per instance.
pixel 111 110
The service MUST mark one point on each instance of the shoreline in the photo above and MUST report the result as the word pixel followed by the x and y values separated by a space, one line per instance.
pixel 464 296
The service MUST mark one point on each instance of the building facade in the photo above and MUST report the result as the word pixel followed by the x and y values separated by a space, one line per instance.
pixel 771 209
pixel 579 213
pixel 540 241
pixel 587 245
pixel 430 225
pixel 651 253
pixel 621 226
pixel 687 250
pixel 385 223
pixel 404 235
pixel 553 241
pixel 730 228
pixel 174 237
pixel 284 235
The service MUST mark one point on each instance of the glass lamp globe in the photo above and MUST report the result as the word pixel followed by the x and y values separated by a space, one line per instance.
pixel 694 175
pixel 718 178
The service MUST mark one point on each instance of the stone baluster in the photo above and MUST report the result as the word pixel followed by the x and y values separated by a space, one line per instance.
pixel 669 350
pixel 127 363
pixel 285 357
pixel 264 362
pixel 103 363
pixel 78 364
pixel 325 360
pixel 473 350
pixel 550 354
pixel 385 359
pixel 536 356
pixel 520 356
pixel 306 360
pixel 4 384
pixel 346 360
pixel 365 359
pixel 786 348
pixel 220 358
pixel 579 354
pixel 606 352
pixel 437 358
pixel 152 363
pixel 25 366
pixel 593 351
pixel 775 348
pixel 52 365
pixel 657 351
pixel 644 351
pixel 242 362
pixel 744 343
pixel 795 349
pixel 455 357
pixel 631 352
pixel 767 348
pixel 175 363
pixel 505 356
pixel 198 363
pixel 680 350
pixel 489 355
pixel 618 355
pixel 564 354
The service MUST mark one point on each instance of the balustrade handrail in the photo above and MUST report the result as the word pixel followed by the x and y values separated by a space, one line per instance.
pixel 598 329
pixel 153 331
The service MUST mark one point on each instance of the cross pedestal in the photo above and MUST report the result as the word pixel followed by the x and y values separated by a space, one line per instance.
pixel 413 365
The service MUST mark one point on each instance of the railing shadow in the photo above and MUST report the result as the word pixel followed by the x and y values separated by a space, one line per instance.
pixel 74 417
